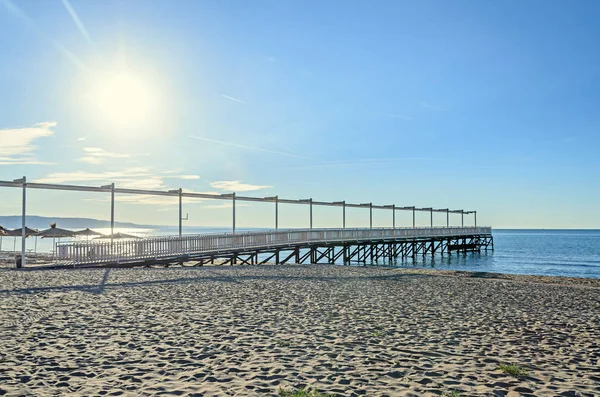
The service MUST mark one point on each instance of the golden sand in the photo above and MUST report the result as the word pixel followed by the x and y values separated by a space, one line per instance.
pixel 245 331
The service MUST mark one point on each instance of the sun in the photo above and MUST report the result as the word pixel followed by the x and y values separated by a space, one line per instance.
pixel 122 98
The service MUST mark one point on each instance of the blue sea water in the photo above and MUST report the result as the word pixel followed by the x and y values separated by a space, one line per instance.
pixel 571 253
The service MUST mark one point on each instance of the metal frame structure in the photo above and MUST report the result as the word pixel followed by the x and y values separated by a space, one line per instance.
pixel 22 183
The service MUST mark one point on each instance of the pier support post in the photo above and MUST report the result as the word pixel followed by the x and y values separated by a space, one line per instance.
pixel 276 213
pixel 23 222
pixel 310 201
pixel 23 182
pixel 112 212
pixel 393 216
pixel 112 216
pixel 475 216
pixel 233 206
pixel 370 215
pixel 344 214
pixel 180 211
pixel 112 209
pixel 447 217
pixel 413 208
pixel 431 216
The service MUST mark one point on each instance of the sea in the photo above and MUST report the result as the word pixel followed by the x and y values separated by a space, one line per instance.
pixel 571 253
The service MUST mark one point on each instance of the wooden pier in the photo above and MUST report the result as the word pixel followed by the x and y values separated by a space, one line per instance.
pixel 334 246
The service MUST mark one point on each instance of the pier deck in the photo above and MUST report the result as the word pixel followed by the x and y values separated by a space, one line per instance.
pixel 278 247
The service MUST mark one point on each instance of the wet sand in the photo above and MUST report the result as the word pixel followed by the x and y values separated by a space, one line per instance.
pixel 245 331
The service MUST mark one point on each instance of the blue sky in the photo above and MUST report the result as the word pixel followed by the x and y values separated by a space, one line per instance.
pixel 479 105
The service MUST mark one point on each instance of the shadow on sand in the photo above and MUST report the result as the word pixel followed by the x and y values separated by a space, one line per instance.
pixel 212 276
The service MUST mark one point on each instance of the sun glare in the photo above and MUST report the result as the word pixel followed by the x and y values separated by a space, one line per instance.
pixel 123 99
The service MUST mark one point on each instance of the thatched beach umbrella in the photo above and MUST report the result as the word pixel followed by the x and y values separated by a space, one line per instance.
pixel 86 233
pixel 55 233
pixel 3 232
pixel 118 236
pixel 19 232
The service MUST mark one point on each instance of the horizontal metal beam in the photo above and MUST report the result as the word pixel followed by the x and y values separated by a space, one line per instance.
pixel 105 189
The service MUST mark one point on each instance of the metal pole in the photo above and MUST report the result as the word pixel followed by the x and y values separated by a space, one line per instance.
pixel 393 216
pixel 276 212
pixel 23 233
pixel 462 218
pixel 475 215
pixel 447 218
pixel 414 218
pixel 233 202
pixel 112 208
pixel 180 210
pixel 431 216
pixel 370 215
pixel 344 214
pixel 112 215
pixel 311 217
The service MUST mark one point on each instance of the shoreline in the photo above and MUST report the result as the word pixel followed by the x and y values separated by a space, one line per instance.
pixel 251 330
pixel 8 264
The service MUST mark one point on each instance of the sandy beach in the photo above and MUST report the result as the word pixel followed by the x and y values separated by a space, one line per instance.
pixel 245 331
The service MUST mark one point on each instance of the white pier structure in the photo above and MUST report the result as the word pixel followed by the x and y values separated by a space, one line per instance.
pixel 231 247
pixel 167 248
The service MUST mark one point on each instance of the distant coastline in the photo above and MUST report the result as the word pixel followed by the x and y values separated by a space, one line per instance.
pixel 43 222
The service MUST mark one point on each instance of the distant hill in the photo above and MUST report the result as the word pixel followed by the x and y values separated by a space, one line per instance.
pixel 43 222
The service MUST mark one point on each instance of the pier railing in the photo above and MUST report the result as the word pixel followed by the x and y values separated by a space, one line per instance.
pixel 122 251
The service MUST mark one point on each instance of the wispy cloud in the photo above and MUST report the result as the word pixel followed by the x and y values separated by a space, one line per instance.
pixel 233 99
pixel 224 205
pixel 189 177
pixel 95 155
pixel 17 12
pixel 77 21
pixel 249 147
pixel 236 186
pixel 130 178
pixel 155 200
pixel 135 177
pixel 16 144
pixel 360 163
pixel 82 138
pixel 162 201
pixel 429 106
